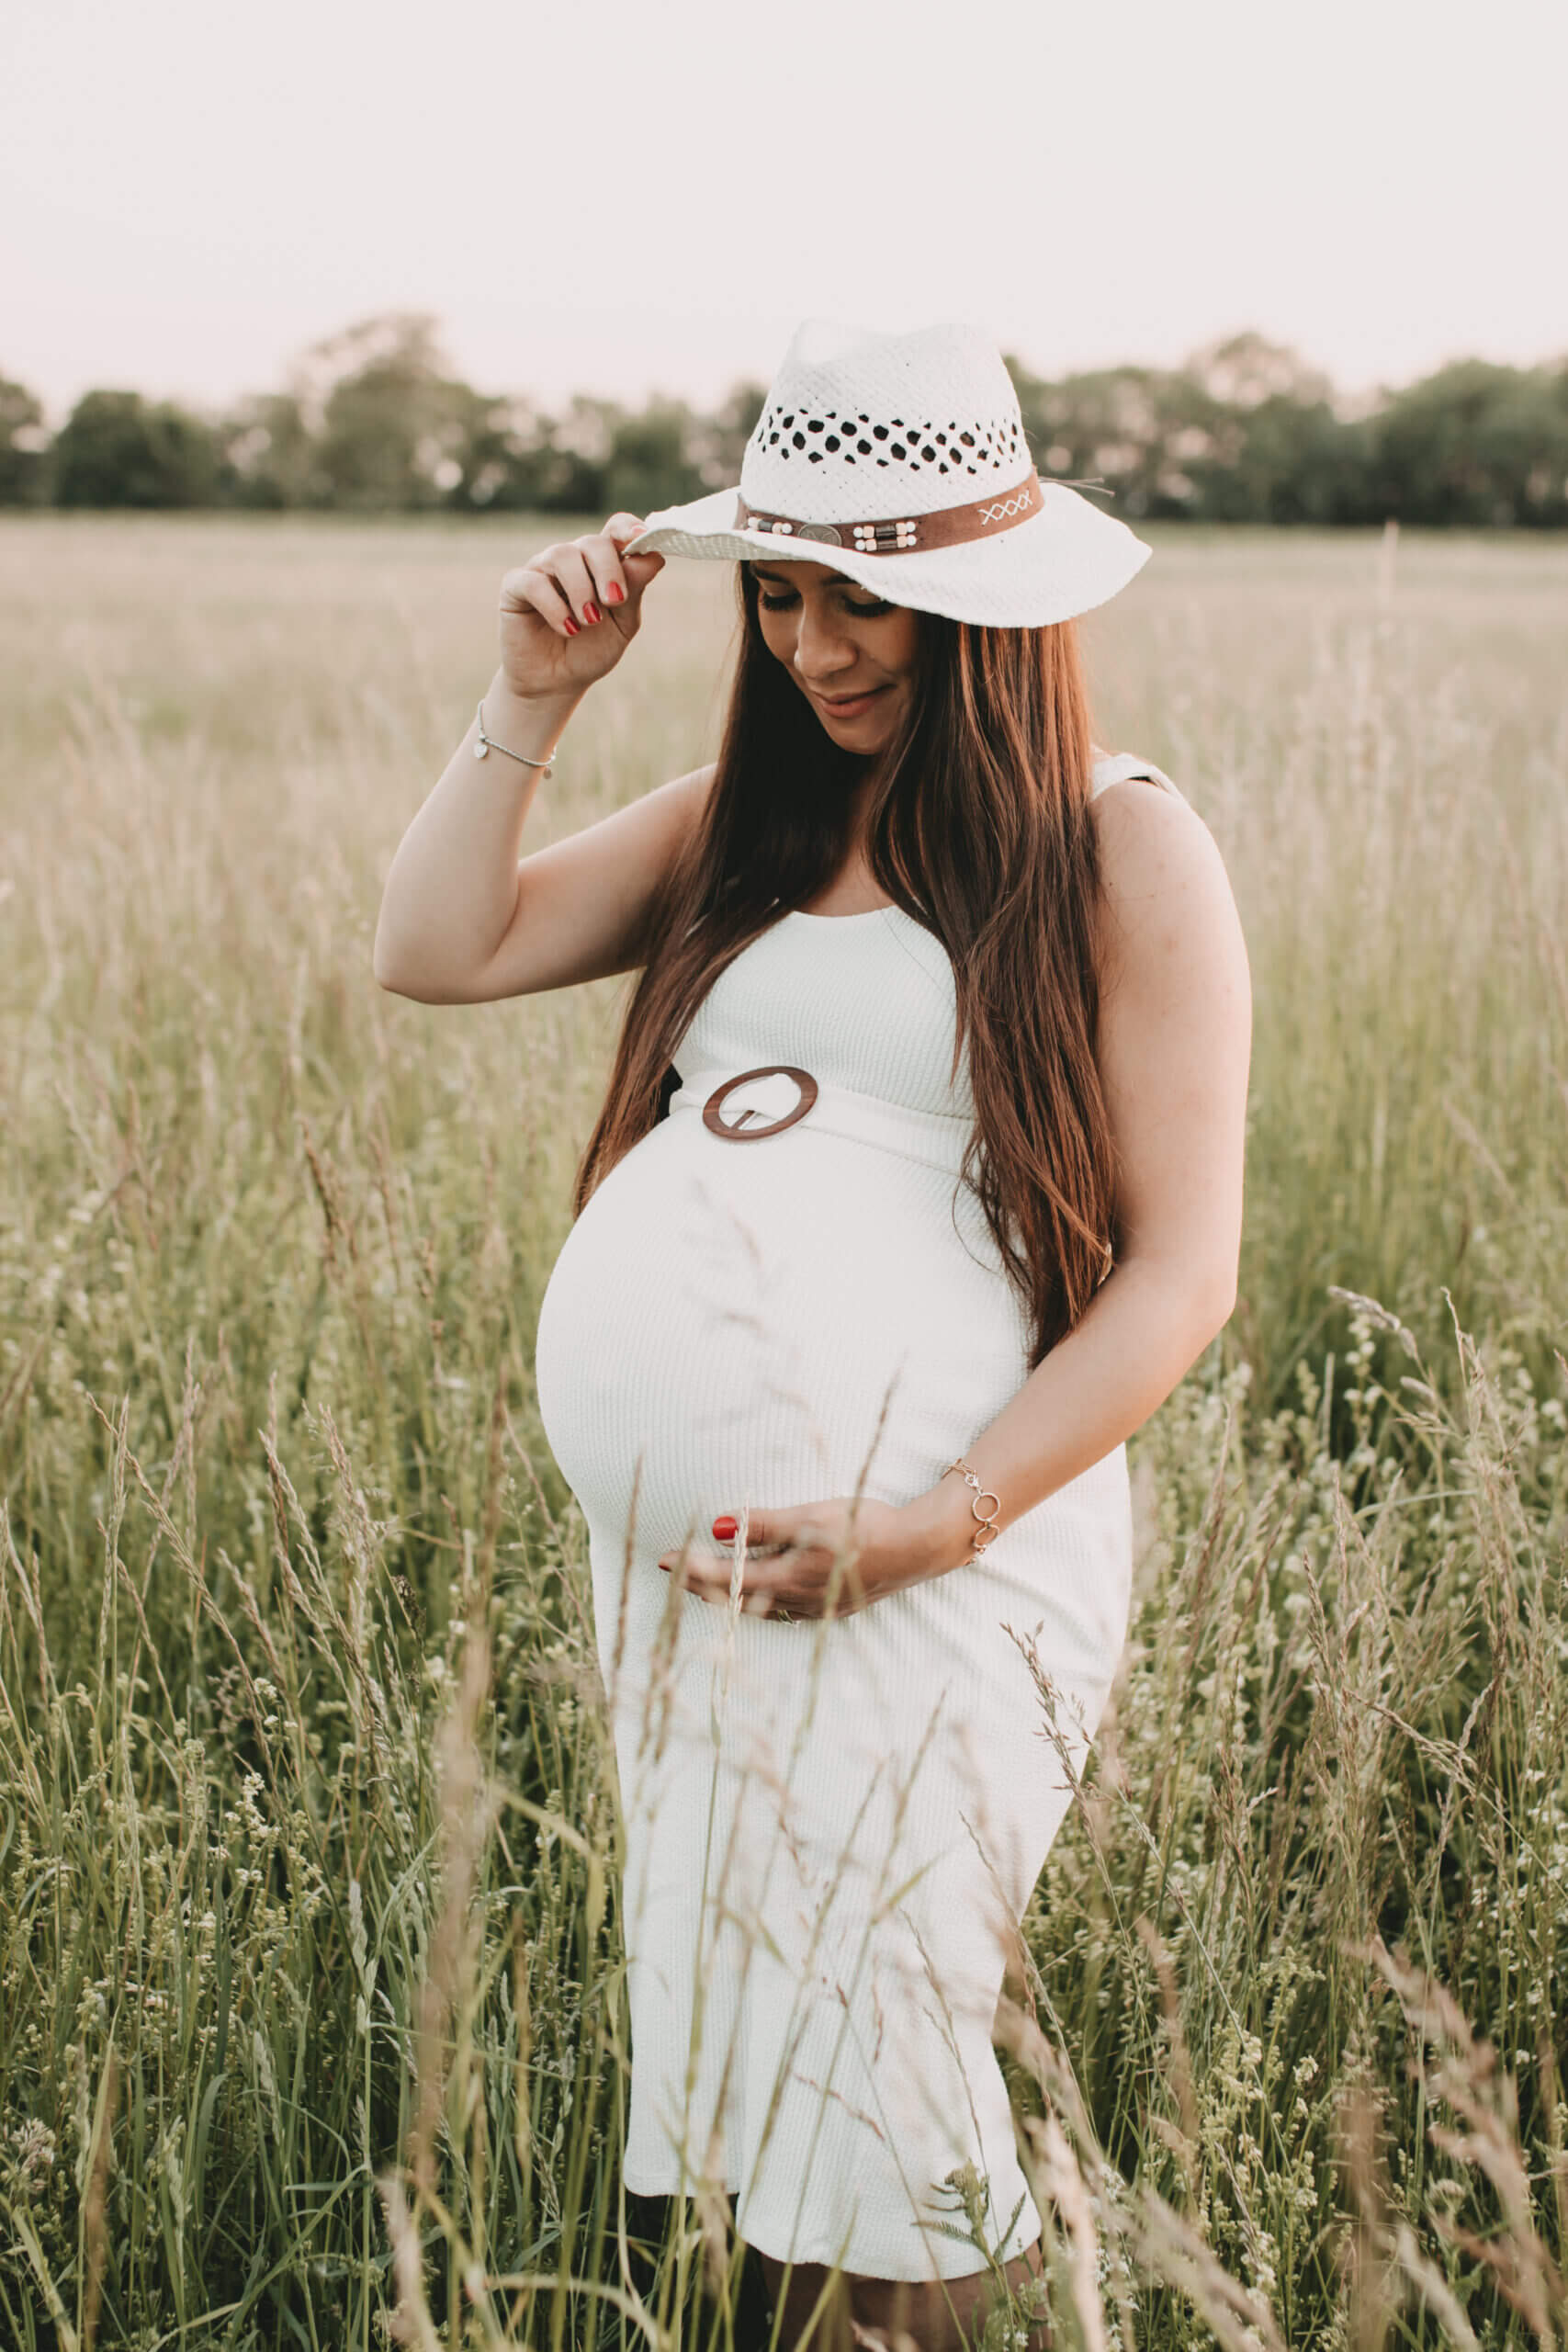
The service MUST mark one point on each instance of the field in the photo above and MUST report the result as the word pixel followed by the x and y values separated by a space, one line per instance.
pixel 309 1951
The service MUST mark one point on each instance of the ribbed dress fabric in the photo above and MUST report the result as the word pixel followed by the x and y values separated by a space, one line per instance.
pixel 832 1828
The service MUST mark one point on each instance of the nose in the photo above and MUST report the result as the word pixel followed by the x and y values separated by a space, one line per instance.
pixel 821 648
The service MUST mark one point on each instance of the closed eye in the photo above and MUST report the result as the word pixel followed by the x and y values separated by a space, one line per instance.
pixel 778 603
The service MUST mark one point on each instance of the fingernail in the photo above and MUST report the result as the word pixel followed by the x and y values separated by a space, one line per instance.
pixel 591 612
pixel 570 627
pixel 726 1530
pixel 615 594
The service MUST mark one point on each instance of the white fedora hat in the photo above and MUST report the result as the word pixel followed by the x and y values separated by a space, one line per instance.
pixel 901 461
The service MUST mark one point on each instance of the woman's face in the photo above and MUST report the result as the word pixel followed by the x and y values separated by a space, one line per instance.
pixel 853 655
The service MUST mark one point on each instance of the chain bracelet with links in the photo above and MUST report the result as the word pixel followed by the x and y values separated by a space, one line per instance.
pixel 986 1529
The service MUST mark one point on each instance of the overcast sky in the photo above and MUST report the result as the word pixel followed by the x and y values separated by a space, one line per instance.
pixel 603 195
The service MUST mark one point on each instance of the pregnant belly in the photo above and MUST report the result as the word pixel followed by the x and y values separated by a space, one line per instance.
pixel 767 1323
pixel 751 1325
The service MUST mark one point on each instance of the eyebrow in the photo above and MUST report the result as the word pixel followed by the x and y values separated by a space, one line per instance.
pixel 760 572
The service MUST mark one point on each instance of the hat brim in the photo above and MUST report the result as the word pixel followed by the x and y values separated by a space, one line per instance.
pixel 1065 561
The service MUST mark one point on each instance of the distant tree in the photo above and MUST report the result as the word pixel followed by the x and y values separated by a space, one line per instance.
pixel 1526 432
pixel 1125 427
pixel 1267 445
pixel 1295 461
pixel 651 460
pixel 24 446
pixel 1476 444
pixel 504 454
pixel 1243 371
pixel 268 455
pixel 115 450
pixel 719 442
pixel 389 418
pixel 1241 432
pixel 581 440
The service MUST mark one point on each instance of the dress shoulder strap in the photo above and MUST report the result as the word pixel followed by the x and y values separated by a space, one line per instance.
pixel 1126 764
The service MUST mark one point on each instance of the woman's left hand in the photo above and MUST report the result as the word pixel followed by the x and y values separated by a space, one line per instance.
pixel 794 1556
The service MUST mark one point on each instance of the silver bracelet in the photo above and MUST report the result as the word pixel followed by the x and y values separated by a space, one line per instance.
pixel 487 744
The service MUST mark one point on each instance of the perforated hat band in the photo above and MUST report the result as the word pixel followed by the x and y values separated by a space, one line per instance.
pixel 950 527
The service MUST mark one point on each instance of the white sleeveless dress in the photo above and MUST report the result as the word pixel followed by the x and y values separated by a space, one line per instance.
pixel 832 1828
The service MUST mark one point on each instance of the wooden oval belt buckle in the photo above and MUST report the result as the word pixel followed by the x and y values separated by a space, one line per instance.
pixel 740 1129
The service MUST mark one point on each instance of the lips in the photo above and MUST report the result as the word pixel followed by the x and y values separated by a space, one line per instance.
pixel 846 705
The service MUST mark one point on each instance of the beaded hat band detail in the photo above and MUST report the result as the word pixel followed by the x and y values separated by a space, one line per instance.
pixel 950 527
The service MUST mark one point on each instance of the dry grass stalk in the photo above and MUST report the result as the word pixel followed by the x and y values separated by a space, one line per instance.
pixel 409 2322
pixel 1181 2137
pixel 1460 2072
pixel 1370 2253
pixel 1068 2193
pixel 466 1807
pixel 93 2209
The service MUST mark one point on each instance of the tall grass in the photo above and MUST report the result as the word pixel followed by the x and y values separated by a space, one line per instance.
pixel 312 2015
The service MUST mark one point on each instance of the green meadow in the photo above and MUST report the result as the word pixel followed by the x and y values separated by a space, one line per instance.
pixel 312 2027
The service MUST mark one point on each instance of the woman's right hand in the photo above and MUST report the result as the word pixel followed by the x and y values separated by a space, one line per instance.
pixel 569 613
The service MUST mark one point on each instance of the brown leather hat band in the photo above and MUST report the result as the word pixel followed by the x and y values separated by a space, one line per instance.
pixel 951 526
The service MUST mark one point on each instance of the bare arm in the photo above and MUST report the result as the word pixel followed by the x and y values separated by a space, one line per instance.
pixel 462 921
pixel 1174 1048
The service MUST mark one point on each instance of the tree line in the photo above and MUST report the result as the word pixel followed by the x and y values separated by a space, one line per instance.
pixel 373 420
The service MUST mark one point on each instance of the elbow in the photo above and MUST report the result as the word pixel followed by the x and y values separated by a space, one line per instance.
pixel 397 965
pixel 1216 1304
pixel 423 969
pixel 422 983
pixel 388 973
pixel 417 992
pixel 1197 1301
pixel 1197 1295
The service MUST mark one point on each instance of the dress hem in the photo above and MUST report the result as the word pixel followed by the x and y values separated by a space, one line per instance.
pixel 1023 2235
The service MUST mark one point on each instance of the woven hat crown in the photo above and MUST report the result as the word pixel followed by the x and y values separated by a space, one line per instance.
pixel 877 425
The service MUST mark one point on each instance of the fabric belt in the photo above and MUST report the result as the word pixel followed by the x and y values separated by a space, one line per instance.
pixel 750 1108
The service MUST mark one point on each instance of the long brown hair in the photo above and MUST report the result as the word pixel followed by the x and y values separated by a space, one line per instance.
pixel 979 827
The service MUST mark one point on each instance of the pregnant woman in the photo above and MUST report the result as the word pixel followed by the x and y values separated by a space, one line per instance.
pixel 916 1188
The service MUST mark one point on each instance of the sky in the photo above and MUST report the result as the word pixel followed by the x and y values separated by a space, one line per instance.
pixel 604 196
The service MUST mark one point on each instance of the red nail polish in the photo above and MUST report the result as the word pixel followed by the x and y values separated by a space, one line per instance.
pixel 615 594
pixel 726 1530
pixel 591 612
pixel 570 625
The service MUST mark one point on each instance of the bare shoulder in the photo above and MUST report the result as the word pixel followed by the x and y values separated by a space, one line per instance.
pixel 697 783
pixel 1165 890
pixel 685 794
pixel 691 794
